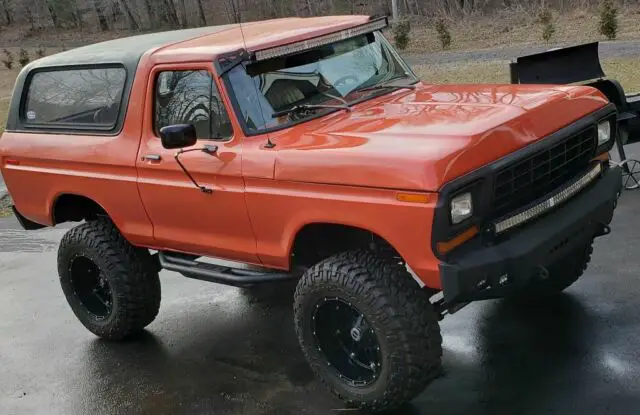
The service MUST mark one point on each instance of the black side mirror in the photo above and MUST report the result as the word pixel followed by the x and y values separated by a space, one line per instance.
pixel 178 136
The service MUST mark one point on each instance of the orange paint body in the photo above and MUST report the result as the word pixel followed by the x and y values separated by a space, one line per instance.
pixel 344 168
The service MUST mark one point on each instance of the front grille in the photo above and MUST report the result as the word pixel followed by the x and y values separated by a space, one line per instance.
pixel 529 179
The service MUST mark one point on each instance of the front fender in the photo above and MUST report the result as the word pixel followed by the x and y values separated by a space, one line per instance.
pixel 279 210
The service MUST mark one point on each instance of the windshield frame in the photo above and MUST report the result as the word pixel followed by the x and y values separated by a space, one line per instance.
pixel 412 79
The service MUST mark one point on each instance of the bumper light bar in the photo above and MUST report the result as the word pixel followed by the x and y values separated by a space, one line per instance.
pixel 372 26
pixel 548 204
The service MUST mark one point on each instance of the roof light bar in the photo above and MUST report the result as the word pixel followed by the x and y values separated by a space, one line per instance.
pixel 372 26
pixel 546 205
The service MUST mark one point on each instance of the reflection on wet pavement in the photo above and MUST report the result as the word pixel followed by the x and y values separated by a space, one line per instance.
pixel 213 349
pixel 21 241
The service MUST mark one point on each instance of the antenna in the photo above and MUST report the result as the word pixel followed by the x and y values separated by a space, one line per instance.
pixel 270 143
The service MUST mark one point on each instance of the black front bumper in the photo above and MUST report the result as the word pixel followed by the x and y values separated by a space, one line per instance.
pixel 495 271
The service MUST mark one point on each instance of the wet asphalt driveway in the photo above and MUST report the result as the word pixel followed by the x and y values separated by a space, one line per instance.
pixel 211 350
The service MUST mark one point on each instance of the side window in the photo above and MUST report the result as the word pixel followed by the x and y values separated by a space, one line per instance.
pixel 88 98
pixel 191 97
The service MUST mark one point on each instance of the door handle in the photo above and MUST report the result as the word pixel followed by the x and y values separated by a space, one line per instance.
pixel 152 157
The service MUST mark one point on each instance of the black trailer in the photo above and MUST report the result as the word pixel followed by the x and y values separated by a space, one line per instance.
pixel 580 64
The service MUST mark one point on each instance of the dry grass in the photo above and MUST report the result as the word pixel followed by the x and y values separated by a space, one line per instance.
pixel 5 207
pixel 4 109
pixel 7 80
pixel 50 37
pixel 625 70
pixel 519 27
pixel 464 73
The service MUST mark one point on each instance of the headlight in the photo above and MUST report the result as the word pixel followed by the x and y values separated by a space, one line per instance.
pixel 461 208
pixel 604 132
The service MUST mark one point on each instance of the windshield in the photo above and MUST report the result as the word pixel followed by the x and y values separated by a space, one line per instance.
pixel 333 75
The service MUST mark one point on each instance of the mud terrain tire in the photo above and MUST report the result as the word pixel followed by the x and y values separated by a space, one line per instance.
pixel 112 287
pixel 394 307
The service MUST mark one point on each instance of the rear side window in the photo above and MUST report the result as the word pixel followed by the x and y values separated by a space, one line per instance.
pixel 88 98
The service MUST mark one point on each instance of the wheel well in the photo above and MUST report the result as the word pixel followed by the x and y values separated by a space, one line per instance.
pixel 75 208
pixel 318 241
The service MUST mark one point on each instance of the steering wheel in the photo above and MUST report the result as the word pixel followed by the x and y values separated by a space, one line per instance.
pixel 343 80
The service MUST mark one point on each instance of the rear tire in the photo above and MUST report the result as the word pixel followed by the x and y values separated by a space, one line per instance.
pixel 112 287
pixel 397 347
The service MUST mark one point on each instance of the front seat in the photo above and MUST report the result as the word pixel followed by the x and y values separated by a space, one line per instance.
pixel 283 94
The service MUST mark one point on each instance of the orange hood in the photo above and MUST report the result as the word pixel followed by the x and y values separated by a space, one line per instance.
pixel 422 139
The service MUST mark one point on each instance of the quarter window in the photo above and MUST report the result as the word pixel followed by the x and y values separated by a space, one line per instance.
pixel 191 97
pixel 77 97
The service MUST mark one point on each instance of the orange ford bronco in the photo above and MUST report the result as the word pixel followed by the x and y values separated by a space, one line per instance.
pixel 307 150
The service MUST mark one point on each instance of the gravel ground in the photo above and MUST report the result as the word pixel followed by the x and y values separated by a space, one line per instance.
pixel 616 49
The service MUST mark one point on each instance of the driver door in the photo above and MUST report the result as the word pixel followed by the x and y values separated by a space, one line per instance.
pixel 184 218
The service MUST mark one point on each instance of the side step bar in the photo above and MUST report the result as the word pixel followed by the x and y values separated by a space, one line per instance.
pixel 220 274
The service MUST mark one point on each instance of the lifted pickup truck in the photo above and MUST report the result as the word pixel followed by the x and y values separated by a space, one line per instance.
pixel 307 150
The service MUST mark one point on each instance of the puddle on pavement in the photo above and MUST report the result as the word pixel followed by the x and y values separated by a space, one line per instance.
pixel 13 240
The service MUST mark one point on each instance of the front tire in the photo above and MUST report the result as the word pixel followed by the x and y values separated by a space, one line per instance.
pixel 367 330
pixel 112 287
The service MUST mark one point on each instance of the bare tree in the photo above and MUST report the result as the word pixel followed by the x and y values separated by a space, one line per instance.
pixel 201 16
pixel 6 12
pixel 233 10
pixel 169 13
pixel 133 23
pixel 160 14
pixel 54 15
pixel 102 19
pixel 151 12
pixel 29 10
pixel 76 15
pixel 183 13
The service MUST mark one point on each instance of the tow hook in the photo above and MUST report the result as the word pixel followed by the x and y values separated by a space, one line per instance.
pixel 604 230
pixel 543 273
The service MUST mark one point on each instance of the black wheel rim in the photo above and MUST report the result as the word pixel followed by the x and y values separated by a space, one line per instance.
pixel 347 341
pixel 91 287
pixel 631 175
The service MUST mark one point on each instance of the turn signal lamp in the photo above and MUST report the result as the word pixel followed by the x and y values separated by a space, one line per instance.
pixel 448 246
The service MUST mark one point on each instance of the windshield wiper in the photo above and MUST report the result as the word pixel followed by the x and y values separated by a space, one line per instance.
pixel 385 85
pixel 304 107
